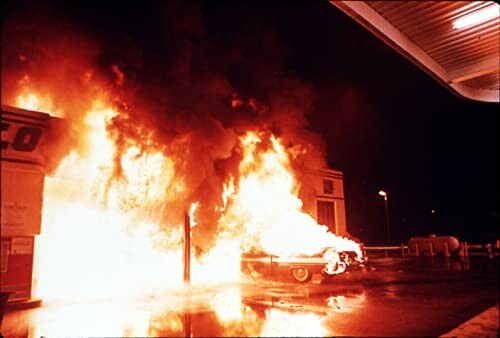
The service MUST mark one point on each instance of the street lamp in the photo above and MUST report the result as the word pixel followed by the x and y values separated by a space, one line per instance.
pixel 386 202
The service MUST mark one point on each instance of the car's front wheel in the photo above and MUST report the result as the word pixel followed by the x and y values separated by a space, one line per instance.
pixel 301 274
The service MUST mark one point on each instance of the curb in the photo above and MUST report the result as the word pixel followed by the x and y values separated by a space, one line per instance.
pixel 485 324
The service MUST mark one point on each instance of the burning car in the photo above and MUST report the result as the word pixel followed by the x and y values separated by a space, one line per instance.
pixel 301 268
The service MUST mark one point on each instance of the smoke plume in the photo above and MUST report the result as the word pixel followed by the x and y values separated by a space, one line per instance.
pixel 180 88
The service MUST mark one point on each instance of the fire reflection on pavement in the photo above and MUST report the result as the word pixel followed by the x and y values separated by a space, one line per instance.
pixel 221 311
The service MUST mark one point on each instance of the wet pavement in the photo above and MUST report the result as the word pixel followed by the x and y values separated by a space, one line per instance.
pixel 389 297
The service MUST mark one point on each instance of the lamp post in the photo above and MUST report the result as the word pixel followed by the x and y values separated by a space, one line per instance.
pixel 388 224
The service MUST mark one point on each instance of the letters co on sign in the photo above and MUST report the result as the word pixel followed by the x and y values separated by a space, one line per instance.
pixel 22 135
pixel 25 137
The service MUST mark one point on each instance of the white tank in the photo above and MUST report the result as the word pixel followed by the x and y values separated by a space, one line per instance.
pixel 438 243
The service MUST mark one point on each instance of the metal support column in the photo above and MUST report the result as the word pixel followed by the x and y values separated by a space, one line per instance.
pixel 187 248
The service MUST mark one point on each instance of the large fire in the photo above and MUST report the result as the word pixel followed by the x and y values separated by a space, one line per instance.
pixel 105 233
pixel 103 227
pixel 266 207
pixel 151 142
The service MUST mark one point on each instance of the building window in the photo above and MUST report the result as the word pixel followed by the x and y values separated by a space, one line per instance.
pixel 328 187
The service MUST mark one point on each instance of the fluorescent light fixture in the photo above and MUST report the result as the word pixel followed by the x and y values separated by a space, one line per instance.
pixel 481 15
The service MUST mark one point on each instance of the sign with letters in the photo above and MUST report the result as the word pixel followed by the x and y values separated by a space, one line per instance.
pixel 23 170
pixel 22 135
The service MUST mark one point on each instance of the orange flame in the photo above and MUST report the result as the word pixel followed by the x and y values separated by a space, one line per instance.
pixel 192 211
pixel 281 323
pixel 31 101
pixel 103 228
pixel 99 235
pixel 267 208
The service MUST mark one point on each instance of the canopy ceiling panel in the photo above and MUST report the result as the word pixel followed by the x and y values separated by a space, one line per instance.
pixel 456 42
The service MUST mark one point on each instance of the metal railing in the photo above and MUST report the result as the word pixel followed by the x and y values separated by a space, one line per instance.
pixel 403 249
pixel 464 251
pixel 487 250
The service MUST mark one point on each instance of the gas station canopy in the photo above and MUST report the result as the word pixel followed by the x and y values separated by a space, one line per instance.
pixel 455 42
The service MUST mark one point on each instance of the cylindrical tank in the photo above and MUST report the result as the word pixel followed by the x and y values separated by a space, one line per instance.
pixel 438 243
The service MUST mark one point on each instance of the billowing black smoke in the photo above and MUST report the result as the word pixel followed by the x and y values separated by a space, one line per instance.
pixel 196 84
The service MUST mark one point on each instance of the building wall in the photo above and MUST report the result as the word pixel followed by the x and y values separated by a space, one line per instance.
pixel 22 184
pixel 324 191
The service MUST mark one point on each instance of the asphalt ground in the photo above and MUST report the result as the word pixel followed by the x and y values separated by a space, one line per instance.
pixel 391 296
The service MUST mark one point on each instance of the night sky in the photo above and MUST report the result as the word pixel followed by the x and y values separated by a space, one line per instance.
pixel 386 124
